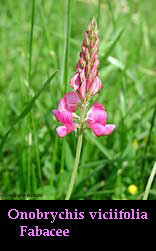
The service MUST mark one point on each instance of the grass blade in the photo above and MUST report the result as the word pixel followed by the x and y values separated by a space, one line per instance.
pixel 67 40
pixel 110 47
pixel 149 183
pixel 122 67
pixel 148 140
pixel 111 12
pixel 98 144
pixel 31 41
pixel 31 118
pixel 98 13
pixel 65 67
pixel 27 109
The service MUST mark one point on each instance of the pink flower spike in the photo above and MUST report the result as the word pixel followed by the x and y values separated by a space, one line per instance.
pixel 96 120
pixel 72 100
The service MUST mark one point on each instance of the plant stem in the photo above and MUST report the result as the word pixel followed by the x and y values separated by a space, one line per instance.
pixel 30 119
pixel 76 164
pixel 148 142
pixel 149 183
pixel 78 151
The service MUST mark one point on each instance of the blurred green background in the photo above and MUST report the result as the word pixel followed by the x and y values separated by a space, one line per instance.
pixel 39 37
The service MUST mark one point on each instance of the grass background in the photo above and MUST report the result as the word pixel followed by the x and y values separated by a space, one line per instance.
pixel 40 37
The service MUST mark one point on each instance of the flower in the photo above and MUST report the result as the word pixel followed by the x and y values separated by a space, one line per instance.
pixel 65 117
pixel 86 81
pixel 96 86
pixel 132 189
pixel 96 120
pixel 72 101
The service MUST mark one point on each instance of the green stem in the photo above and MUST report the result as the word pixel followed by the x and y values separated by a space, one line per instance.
pixel 76 164
pixel 78 151
pixel 148 142
pixel 149 183
pixel 29 174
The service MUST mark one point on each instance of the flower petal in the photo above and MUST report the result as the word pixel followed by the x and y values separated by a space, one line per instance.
pixel 81 63
pixel 63 117
pixel 66 118
pixel 75 81
pixel 62 131
pixel 97 114
pixel 82 75
pixel 86 40
pixel 100 130
pixel 82 89
pixel 96 86
pixel 109 129
pixel 56 114
pixel 61 106
pixel 71 101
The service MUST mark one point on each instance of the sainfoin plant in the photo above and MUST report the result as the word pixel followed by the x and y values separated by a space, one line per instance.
pixel 86 83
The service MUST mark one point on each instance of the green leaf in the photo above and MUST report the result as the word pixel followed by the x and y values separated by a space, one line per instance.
pixel 26 110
